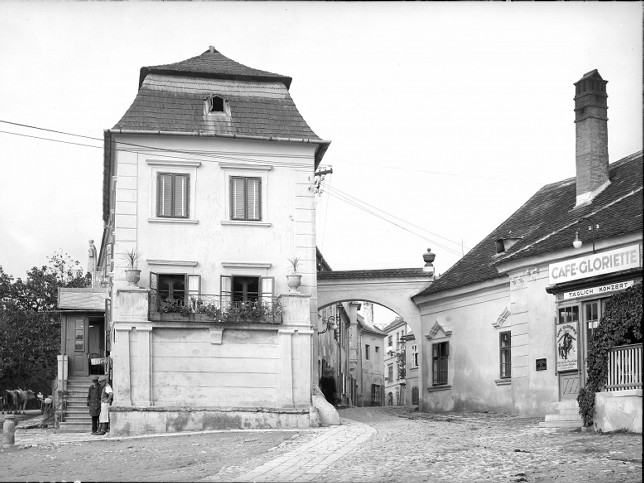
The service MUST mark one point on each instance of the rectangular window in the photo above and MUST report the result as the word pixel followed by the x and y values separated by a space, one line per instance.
pixel 245 198
pixel 414 356
pixel 366 351
pixel 390 341
pixel 440 354
pixel 79 335
pixel 236 289
pixel 171 287
pixel 505 356
pixel 245 289
pixel 174 289
pixel 569 314
pixel 172 195
pixel 390 372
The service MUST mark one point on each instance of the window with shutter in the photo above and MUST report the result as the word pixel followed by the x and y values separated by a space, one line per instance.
pixel 172 195
pixel 440 355
pixel 245 198
pixel 225 295
pixel 267 291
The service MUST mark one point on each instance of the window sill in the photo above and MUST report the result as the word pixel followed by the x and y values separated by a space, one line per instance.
pixel 174 220
pixel 246 223
pixel 439 388
pixel 503 382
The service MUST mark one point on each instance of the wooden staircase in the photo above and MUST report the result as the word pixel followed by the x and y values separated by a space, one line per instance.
pixel 564 415
pixel 76 414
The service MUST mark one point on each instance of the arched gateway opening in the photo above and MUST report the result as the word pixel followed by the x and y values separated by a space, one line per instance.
pixel 337 292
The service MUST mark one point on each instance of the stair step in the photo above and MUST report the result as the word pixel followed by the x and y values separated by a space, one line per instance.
pixel 77 418
pixel 75 428
pixel 78 412
pixel 569 412
pixel 564 417
pixel 560 424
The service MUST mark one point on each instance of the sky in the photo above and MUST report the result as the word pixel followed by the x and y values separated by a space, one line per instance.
pixel 444 118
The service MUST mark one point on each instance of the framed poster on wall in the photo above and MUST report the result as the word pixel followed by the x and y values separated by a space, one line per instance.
pixel 567 345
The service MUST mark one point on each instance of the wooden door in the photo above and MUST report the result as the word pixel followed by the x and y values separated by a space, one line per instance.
pixel 567 351
pixel 76 345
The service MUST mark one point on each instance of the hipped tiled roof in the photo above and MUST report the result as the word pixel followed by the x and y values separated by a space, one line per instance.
pixel 213 64
pixel 171 98
pixel 547 223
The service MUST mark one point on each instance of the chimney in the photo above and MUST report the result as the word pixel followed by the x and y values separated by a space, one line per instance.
pixel 591 145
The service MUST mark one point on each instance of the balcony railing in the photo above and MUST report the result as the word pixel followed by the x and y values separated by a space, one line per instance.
pixel 624 368
pixel 215 308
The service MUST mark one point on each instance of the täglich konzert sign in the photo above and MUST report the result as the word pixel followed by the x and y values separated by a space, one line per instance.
pixel 594 264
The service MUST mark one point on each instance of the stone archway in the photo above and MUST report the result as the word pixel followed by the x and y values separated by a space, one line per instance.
pixel 391 288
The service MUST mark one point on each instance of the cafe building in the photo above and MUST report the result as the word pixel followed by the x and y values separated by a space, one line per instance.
pixel 507 328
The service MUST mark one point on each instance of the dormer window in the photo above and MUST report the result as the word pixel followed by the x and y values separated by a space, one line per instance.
pixel 216 105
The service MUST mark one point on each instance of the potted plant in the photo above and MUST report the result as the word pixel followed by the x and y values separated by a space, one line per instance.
pixel 132 274
pixel 294 279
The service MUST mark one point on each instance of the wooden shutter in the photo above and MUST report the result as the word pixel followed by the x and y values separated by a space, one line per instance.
pixel 225 295
pixel 154 294
pixel 267 291
pixel 253 201
pixel 194 286
pixel 237 211
pixel 180 195
pixel 164 195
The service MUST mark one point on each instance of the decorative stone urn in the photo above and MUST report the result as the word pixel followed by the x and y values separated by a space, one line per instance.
pixel 132 275
pixel 294 280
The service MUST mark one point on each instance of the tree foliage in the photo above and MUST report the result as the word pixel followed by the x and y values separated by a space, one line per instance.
pixel 30 325
pixel 401 360
pixel 621 324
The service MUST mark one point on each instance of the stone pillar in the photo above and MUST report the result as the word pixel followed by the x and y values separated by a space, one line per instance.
pixel 285 368
pixel 295 338
pixel 120 354
pixel 131 356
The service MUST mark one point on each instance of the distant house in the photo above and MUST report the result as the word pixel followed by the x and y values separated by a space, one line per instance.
pixel 395 348
pixel 507 328
pixel 352 348
pixel 207 178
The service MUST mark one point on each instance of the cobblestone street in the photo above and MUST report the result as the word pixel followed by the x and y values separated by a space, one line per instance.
pixel 392 444
pixel 372 444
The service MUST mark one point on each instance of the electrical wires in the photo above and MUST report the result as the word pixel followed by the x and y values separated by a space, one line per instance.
pixel 392 219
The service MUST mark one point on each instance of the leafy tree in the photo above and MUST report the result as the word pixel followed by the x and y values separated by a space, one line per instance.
pixel 621 324
pixel 30 324
pixel 401 360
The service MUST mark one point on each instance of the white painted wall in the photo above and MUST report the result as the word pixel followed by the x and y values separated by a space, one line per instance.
pixel 208 243
pixel 473 349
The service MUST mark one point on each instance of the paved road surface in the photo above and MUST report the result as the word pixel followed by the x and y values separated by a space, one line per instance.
pixel 372 445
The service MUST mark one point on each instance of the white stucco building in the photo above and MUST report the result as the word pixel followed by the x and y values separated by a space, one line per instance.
pixel 208 178
pixel 507 328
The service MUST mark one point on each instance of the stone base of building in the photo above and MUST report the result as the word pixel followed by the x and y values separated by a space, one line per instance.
pixel 129 421
pixel 618 410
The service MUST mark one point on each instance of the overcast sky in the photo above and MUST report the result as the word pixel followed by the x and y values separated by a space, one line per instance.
pixel 446 116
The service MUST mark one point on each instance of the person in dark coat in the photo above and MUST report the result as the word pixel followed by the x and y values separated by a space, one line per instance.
pixel 327 386
pixel 94 402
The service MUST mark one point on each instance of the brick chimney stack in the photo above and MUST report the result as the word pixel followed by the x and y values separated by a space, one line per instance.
pixel 591 119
